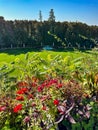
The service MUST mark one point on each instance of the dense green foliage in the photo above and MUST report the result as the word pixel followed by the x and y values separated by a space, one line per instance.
pixel 36 34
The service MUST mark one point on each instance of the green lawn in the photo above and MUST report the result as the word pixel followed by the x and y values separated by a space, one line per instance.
pixel 10 55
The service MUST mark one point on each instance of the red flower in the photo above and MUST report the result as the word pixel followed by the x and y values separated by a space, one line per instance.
pixel 56 102
pixel 20 98
pixel 22 91
pixel 39 89
pixel 17 108
pixel 53 81
pixel 59 86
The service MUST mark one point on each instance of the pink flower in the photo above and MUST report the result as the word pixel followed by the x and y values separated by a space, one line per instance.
pixel 2 108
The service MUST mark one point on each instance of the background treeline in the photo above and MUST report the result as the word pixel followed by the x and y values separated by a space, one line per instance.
pixel 36 34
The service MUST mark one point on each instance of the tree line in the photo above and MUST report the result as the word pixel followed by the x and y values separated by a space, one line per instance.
pixel 36 34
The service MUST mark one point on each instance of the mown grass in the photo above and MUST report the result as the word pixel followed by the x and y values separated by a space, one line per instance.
pixel 10 55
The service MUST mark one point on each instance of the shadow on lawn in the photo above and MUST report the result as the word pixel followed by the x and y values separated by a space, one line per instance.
pixel 18 51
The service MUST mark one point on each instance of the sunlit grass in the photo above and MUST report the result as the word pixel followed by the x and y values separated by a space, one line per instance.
pixel 10 55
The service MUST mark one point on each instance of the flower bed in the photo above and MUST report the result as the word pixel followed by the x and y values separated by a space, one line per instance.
pixel 48 103
pixel 59 94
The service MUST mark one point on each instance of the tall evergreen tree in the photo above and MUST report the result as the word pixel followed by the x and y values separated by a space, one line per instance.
pixel 51 16
pixel 40 16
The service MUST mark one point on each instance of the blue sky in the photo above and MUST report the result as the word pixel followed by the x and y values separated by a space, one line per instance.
pixel 85 11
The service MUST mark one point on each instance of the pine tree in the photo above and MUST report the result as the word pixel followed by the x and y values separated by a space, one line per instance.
pixel 51 16
pixel 40 16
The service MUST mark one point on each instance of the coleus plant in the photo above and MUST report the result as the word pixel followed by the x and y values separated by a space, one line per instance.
pixel 65 112
pixel 73 104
